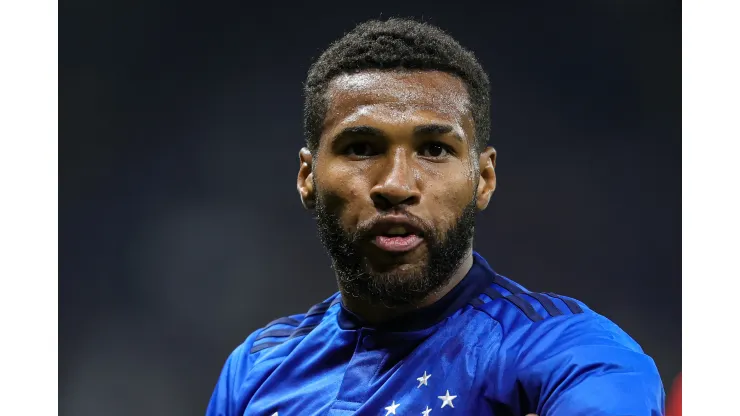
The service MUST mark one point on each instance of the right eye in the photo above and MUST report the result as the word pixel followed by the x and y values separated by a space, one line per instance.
pixel 359 150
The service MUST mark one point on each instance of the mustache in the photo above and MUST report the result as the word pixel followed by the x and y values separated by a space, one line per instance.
pixel 363 230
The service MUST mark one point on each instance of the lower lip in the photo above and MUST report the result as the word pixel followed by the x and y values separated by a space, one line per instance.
pixel 398 244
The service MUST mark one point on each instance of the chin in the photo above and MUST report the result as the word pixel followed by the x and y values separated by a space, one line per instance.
pixel 392 279
pixel 415 261
pixel 402 271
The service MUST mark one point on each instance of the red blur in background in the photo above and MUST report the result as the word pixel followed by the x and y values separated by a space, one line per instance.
pixel 673 404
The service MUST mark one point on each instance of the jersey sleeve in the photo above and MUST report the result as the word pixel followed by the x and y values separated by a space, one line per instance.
pixel 225 395
pixel 586 365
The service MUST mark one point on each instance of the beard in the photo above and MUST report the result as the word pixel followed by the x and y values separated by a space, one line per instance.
pixel 399 286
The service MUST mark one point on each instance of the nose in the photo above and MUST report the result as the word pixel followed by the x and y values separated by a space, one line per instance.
pixel 398 185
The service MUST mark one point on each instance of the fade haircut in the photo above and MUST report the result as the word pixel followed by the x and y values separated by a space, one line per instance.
pixel 395 44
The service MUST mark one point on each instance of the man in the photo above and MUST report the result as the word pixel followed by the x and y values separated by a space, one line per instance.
pixel 396 167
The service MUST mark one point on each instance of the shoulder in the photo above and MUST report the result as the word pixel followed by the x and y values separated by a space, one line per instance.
pixel 529 317
pixel 565 357
pixel 227 395
pixel 284 329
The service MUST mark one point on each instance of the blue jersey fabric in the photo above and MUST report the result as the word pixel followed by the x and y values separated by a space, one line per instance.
pixel 489 347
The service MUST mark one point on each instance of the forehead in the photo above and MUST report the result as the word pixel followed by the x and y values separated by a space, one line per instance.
pixel 436 92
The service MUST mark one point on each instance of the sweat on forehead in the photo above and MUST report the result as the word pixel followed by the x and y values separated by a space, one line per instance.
pixel 433 91
pixel 401 85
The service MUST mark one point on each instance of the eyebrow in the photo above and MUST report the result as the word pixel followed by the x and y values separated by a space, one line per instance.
pixel 439 129
pixel 424 129
pixel 360 131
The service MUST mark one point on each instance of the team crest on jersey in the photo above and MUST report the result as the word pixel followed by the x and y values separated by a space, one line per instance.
pixel 446 400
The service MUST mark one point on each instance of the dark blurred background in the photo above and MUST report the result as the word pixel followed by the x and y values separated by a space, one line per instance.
pixel 181 230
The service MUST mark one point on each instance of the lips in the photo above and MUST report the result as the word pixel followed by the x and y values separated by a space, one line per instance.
pixel 396 235
pixel 398 244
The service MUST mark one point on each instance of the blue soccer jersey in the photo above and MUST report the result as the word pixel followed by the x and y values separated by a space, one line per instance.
pixel 489 347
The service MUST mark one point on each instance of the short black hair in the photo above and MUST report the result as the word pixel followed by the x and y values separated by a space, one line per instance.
pixel 395 44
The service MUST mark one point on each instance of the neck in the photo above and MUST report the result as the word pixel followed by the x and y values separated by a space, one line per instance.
pixel 376 314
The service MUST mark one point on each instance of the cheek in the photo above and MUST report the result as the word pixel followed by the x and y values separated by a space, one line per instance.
pixel 448 196
pixel 344 192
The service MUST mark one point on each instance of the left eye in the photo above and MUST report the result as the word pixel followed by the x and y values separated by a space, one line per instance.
pixel 434 150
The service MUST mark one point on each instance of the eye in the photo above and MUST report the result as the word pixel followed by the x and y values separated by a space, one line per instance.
pixel 435 150
pixel 359 149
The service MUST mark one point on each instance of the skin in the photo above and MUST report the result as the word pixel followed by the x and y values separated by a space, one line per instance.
pixel 378 155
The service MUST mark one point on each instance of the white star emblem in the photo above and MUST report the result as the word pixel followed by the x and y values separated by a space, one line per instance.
pixel 446 399
pixel 427 411
pixel 392 409
pixel 275 414
pixel 423 380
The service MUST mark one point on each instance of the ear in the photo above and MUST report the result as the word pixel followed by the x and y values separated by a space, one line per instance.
pixel 305 179
pixel 487 183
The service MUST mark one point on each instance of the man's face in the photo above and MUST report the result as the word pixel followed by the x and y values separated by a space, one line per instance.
pixel 395 182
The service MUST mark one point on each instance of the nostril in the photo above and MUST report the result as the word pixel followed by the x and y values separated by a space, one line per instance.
pixel 381 202
pixel 386 200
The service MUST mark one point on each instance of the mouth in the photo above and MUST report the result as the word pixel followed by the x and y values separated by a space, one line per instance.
pixel 396 235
